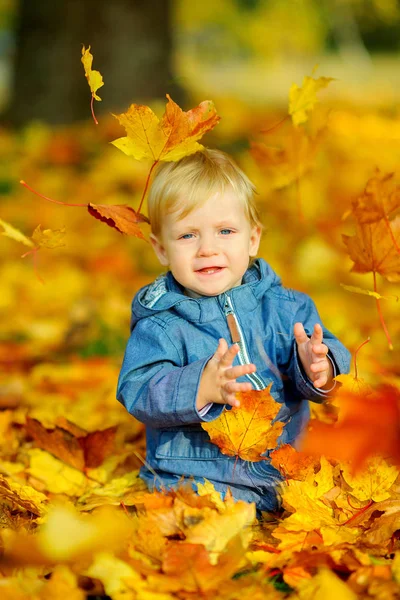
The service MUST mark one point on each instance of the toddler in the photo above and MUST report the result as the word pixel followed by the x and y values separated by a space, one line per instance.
pixel 217 322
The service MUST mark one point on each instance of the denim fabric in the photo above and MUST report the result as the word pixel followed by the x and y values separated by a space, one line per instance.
pixel 173 337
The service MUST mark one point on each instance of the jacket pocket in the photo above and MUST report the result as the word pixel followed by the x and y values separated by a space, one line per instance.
pixel 187 444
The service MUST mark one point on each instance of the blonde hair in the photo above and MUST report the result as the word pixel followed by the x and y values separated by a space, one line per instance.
pixel 181 186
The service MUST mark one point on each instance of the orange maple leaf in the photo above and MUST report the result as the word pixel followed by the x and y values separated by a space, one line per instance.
pixel 354 437
pixel 375 248
pixel 285 165
pixel 372 249
pixel 120 216
pixel 246 432
pixel 292 463
pixel 380 198
pixel 168 139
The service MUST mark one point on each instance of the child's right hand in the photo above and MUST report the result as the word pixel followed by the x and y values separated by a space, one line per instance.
pixel 218 382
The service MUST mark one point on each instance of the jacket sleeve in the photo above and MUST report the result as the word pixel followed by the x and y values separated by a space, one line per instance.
pixel 339 356
pixel 154 385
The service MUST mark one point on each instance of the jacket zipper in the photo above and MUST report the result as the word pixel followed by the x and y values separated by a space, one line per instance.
pixel 237 337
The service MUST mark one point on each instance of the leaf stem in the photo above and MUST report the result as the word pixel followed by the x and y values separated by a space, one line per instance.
pixel 92 109
pixel 276 125
pixel 359 513
pixel 387 223
pixel 355 356
pixel 22 182
pixel 378 305
pixel 35 262
pixel 147 184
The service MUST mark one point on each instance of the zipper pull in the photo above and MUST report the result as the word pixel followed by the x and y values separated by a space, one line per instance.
pixel 232 324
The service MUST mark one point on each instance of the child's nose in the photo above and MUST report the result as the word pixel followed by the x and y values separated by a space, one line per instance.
pixel 207 247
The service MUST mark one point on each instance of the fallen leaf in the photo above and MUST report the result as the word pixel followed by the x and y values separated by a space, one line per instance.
pixel 373 482
pixel 291 463
pixel 247 432
pixel 79 449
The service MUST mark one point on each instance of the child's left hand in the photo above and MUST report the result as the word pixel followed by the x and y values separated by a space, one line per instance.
pixel 312 353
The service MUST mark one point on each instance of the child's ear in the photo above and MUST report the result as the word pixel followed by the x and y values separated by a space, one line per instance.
pixel 255 237
pixel 159 250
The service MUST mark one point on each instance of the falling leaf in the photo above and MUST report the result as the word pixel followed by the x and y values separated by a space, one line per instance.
pixel 247 432
pixel 303 99
pixel 282 166
pixel 372 249
pixel 48 238
pixel 15 234
pixel 354 437
pixel 358 290
pixel 94 78
pixel 121 216
pixel 381 197
pixel 172 138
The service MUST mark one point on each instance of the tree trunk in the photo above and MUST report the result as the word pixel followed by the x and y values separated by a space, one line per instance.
pixel 131 44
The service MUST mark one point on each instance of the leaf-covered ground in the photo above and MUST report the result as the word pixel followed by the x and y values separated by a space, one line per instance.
pixel 75 518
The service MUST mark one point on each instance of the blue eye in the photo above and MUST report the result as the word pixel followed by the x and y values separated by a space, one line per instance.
pixel 186 236
pixel 228 230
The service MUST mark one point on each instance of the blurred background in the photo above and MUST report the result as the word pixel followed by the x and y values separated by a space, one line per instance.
pixel 242 54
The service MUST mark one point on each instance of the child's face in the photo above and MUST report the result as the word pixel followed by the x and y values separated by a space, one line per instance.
pixel 208 250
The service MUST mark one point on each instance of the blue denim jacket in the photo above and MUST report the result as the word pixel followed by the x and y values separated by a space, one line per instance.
pixel 173 337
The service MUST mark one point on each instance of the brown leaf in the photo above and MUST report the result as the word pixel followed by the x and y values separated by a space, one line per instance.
pixel 97 445
pixel 120 216
pixel 72 444
pixel 62 444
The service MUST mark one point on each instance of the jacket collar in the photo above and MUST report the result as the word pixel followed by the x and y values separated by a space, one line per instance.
pixel 166 293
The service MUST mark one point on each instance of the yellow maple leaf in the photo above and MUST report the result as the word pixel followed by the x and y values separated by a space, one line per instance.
pixel 49 238
pixel 303 99
pixel 207 489
pixel 94 78
pixel 373 482
pixel 325 585
pixel 168 139
pixel 247 432
pixel 215 530
pixel 57 477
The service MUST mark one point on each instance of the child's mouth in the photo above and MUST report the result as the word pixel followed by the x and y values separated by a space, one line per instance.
pixel 210 270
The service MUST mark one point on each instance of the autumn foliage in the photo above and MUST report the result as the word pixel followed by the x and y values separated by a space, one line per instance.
pixel 76 520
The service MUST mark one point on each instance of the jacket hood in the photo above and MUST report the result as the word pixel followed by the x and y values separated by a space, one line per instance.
pixel 165 293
